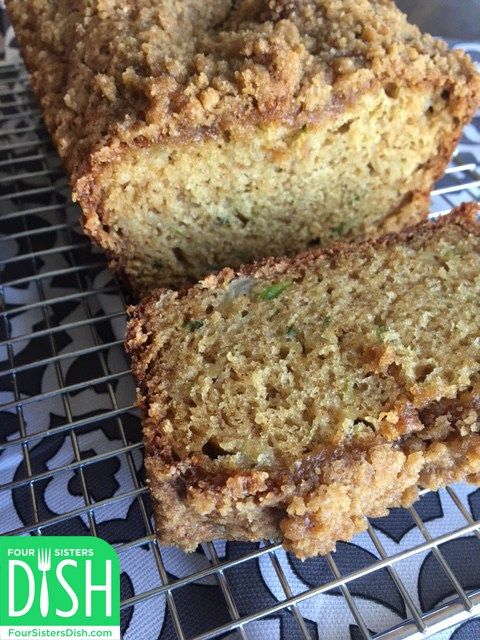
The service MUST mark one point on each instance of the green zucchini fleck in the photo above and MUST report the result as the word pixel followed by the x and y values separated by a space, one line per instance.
pixel 291 333
pixel 340 229
pixel 381 330
pixel 274 290
pixel 193 325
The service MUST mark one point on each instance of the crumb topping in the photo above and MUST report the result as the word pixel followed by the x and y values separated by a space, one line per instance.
pixel 114 72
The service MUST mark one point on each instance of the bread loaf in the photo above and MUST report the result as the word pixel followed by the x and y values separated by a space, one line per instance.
pixel 198 135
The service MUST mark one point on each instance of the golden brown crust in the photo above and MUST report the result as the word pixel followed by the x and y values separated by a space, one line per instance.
pixel 326 494
pixel 250 506
pixel 450 442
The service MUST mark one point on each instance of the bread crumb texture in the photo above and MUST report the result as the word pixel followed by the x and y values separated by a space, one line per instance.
pixel 293 398
pixel 193 131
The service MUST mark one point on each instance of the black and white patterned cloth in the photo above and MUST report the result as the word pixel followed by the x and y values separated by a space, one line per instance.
pixel 201 605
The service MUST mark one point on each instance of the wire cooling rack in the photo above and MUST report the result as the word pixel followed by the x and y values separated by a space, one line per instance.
pixel 61 329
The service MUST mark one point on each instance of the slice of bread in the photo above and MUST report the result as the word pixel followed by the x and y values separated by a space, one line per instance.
pixel 199 134
pixel 295 397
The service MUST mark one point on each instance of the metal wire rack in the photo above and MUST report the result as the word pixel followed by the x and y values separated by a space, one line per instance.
pixel 47 267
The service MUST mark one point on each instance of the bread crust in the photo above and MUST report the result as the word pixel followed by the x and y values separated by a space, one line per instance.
pixel 326 495
pixel 179 73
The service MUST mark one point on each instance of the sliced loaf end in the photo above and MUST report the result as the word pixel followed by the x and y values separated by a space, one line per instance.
pixel 295 397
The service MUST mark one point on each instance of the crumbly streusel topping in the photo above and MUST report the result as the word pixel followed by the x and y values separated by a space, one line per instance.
pixel 120 71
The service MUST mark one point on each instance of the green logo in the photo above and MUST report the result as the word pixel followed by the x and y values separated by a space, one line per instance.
pixel 59 587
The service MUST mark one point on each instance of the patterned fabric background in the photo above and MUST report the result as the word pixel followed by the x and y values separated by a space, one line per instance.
pixel 201 606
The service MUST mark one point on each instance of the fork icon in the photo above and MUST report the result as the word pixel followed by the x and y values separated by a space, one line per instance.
pixel 44 564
